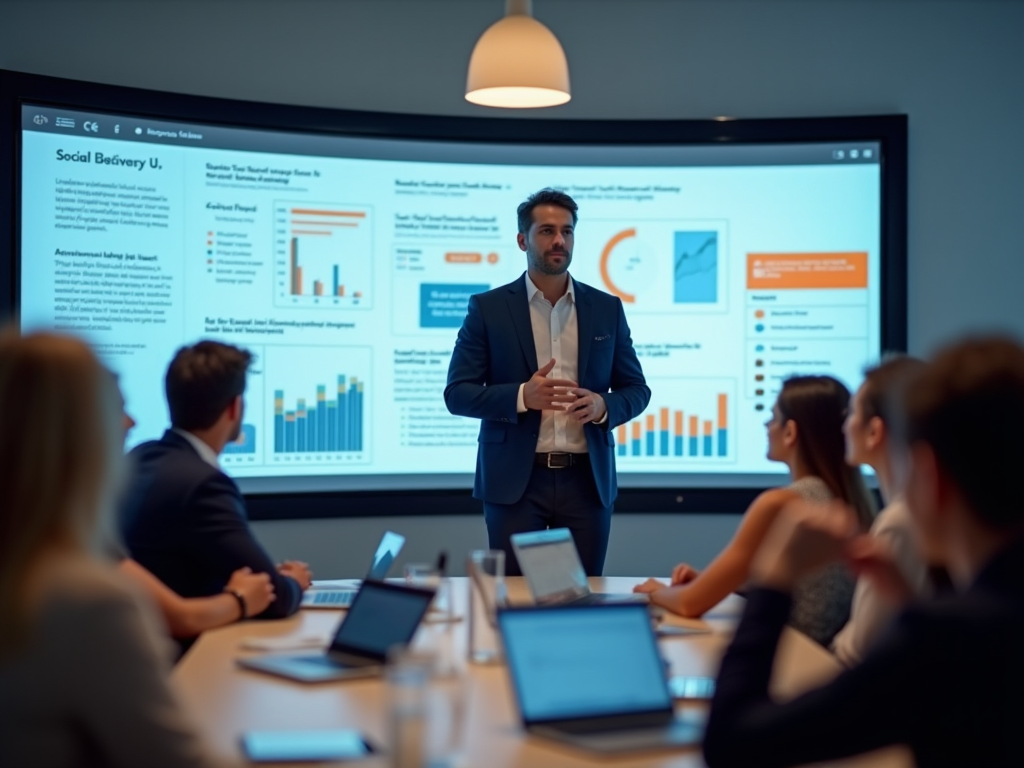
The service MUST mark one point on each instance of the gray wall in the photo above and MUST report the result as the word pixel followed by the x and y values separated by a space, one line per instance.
pixel 956 68
pixel 341 549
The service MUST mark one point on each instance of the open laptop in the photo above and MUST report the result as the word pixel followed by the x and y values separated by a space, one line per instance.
pixel 592 677
pixel 327 596
pixel 381 616
pixel 553 570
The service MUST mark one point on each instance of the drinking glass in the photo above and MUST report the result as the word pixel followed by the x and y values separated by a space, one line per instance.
pixel 486 571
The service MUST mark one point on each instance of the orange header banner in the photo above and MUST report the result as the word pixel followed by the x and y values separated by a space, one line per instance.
pixel 786 271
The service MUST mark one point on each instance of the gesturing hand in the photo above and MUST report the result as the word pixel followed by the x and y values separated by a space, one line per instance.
pixel 544 394
pixel 256 588
pixel 684 574
pixel 297 570
pixel 589 406
pixel 805 536
pixel 871 558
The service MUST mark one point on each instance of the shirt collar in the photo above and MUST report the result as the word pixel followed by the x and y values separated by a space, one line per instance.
pixel 532 290
pixel 205 452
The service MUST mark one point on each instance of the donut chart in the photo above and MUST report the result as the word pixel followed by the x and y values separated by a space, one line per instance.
pixel 606 255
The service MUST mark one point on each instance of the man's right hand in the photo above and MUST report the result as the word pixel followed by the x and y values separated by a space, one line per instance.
pixel 298 570
pixel 256 588
pixel 543 394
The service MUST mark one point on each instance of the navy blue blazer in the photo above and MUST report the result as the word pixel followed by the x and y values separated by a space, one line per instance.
pixel 495 353
pixel 185 521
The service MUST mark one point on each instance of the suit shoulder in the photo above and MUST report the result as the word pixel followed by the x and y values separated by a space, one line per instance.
pixel 495 294
pixel 596 294
pixel 162 458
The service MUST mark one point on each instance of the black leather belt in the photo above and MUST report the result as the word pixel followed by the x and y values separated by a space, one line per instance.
pixel 561 460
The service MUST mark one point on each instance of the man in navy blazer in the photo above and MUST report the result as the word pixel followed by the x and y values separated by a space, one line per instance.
pixel 548 366
pixel 182 518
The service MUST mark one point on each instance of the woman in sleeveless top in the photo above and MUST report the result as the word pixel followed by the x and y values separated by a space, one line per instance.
pixel 805 433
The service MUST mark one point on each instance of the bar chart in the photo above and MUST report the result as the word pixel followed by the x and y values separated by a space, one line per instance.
pixel 695 428
pixel 323 255
pixel 331 423
pixel 319 410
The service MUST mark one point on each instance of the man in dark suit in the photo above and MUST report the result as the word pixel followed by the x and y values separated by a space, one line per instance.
pixel 182 518
pixel 548 366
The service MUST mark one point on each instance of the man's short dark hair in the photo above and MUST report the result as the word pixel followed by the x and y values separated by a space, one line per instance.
pixel 968 405
pixel 546 196
pixel 201 382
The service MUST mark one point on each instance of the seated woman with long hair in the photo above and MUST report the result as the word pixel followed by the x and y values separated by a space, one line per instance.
pixel 83 666
pixel 805 433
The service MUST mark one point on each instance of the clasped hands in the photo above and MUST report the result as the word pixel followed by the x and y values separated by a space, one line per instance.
pixel 543 394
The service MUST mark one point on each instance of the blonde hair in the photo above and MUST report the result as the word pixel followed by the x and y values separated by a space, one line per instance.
pixel 60 455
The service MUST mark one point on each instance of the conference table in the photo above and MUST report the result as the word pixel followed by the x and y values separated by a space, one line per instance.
pixel 226 701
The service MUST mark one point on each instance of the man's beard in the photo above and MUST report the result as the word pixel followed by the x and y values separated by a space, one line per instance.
pixel 540 262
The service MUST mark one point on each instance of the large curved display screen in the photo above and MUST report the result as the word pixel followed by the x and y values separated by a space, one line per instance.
pixel 345 265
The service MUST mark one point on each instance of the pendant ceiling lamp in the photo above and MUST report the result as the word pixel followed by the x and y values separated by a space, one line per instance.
pixel 518 63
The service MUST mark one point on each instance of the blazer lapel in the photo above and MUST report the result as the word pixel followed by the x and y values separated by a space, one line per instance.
pixel 584 328
pixel 519 308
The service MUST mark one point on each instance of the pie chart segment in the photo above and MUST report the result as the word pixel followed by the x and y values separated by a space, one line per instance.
pixel 628 265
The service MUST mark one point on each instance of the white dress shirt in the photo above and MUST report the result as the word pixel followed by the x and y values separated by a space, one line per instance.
pixel 205 452
pixel 556 335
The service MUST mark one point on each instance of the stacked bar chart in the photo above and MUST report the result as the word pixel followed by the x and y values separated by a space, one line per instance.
pixel 318 404
pixel 324 253
pixel 674 433
pixel 332 423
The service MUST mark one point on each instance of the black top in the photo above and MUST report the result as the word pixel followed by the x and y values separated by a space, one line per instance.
pixel 185 521
pixel 947 680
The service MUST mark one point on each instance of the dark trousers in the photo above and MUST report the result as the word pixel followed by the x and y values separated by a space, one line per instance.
pixel 554 498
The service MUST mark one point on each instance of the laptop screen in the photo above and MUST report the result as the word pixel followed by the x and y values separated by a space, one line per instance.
pixel 390 545
pixel 578 662
pixel 550 562
pixel 381 616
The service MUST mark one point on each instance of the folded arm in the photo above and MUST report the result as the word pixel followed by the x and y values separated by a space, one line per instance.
pixel 747 728
pixel 225 541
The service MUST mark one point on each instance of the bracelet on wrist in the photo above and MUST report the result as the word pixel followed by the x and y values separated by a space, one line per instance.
pixel 241 603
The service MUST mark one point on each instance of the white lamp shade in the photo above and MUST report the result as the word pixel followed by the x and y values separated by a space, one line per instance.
pixel 518 62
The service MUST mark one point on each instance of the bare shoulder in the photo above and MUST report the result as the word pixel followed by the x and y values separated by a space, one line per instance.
pixel 769 503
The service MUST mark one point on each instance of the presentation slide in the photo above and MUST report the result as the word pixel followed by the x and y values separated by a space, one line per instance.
pixel 346 264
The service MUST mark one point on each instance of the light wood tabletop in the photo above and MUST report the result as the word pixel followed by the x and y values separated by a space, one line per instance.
pixel 226 701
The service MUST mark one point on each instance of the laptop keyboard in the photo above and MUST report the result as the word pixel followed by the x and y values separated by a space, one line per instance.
pixel 594 598
pixel 333 597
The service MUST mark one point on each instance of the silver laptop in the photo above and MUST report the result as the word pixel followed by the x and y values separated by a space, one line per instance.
pixel 553 570
pixel 381 616
pixel 592 677
pixel 326 596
